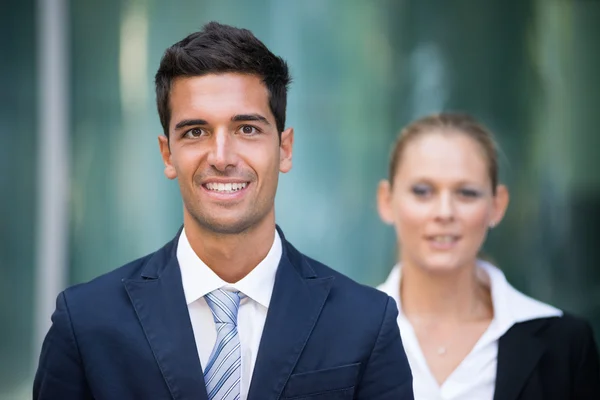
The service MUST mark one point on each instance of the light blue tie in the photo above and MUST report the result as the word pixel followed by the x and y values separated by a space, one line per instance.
pixel 223 372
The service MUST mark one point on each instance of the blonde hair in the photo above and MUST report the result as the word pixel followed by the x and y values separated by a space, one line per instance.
pixel 462 123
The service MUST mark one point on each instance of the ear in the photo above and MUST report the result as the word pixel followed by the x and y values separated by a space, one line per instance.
pixel 501 201
pixel 286 145
pixel 384 202
pixel 165 152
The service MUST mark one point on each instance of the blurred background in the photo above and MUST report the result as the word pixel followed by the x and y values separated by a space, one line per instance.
pixel 81 184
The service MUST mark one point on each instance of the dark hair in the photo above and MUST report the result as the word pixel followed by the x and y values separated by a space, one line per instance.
pixel 216 49
pixel 448 122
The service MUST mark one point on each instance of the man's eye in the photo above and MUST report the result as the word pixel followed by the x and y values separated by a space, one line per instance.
pixel 249 130
pixel 193 133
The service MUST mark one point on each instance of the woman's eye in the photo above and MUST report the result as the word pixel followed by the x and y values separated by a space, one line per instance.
pixel 421 191
pixel 470 193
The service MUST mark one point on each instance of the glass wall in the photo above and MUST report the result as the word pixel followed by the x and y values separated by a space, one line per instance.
pixel 17 194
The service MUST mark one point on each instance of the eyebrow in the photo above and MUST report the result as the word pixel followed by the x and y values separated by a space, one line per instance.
pixel 190 122
pixel 235 118
pixel 427 181
pixel 250 117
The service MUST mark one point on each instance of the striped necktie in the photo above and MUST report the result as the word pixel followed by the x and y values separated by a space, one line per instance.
pixel 223 372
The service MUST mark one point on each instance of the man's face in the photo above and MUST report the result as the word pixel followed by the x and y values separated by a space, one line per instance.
pixel 225 151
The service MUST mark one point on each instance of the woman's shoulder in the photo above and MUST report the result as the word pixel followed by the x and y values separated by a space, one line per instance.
pixel 570 326
pixel 561 348
pixel 558 331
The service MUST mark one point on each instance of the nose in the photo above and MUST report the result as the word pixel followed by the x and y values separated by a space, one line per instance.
pixel 444 210
pixel 222 152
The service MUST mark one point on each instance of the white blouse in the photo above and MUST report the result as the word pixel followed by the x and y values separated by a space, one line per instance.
pixel 475 376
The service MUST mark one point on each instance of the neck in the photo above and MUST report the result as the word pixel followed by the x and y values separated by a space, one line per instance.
pixel 231 256
pixel 449 296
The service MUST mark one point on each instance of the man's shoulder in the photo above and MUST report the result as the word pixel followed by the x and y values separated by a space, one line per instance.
pixel 111 282
pixel 350 294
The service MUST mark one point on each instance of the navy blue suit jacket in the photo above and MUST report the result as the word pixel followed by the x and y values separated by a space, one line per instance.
pixel 127 335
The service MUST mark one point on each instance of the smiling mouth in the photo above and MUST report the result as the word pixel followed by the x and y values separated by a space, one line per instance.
pixel 443 239
pixel 225 187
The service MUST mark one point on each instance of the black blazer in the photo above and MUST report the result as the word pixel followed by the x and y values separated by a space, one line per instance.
pixel 550 359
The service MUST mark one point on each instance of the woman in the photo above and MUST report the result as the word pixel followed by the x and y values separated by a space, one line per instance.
pixel 467 333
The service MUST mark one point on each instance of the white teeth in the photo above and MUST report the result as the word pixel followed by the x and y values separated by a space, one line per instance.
pixel 443 238
pixel 225 187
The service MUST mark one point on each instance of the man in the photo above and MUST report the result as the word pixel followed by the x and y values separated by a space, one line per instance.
pixel 229 309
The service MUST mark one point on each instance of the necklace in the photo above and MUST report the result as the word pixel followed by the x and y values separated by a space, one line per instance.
pixel 441 351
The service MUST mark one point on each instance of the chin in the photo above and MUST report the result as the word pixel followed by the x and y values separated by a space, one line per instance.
pixel 223 225
pixel 441 264
pixel 230 227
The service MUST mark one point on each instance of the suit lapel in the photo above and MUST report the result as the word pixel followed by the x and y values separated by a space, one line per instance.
pixel 160 305
pixel 519 351
pixel 297 300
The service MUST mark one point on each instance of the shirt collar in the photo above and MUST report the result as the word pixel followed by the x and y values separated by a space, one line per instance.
pixel 510 305
pixel 198 279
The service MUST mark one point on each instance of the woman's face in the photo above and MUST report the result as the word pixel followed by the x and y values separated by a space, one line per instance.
pixel 441 201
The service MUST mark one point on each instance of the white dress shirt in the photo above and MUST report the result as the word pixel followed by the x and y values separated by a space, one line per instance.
pixel 198 280
pixel 475 376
